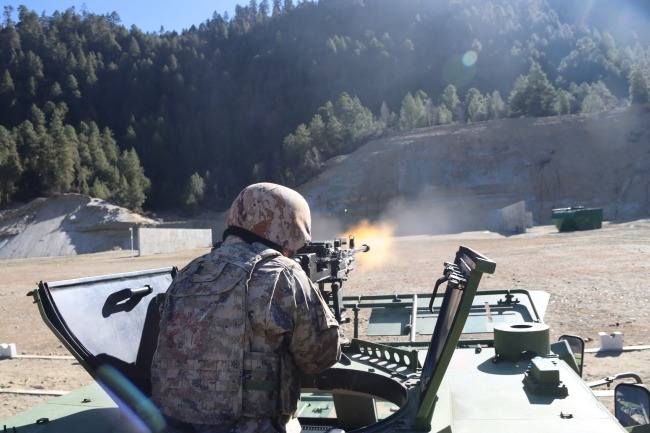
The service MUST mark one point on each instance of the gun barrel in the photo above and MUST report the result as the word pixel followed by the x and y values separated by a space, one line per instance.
pixel 363 248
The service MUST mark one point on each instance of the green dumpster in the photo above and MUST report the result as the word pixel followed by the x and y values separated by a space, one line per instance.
pixel 574 218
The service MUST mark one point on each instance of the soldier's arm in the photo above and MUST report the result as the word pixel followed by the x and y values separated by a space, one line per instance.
pixel 315 340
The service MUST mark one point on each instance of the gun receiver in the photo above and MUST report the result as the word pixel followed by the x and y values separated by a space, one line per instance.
pixel 330 263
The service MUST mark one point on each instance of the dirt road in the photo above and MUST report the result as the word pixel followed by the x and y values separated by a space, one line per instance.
pixel 598 282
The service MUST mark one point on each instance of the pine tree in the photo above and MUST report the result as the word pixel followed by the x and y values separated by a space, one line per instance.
pixel 7 89
pixel 592 103
pixel 73 86
pixel 89 133
pixel 41 164
pixel 83 165
pixel 318 134
pixel 476 105
pixel 263 12
pixel 496 106
pixel 277 8
pixel 444 115
pixel 412 114
pixel 639 87
pixel 10 166
pixel 384 114
pixel 357 121
pixel 133 184
pixel 451 100
pixel 111 173
pixel 533 95
pixel 563 102
pixel 334 130
pixel 295 147
pixel 540 94
pixel 194 193
pixel 64 146
pixel 100 190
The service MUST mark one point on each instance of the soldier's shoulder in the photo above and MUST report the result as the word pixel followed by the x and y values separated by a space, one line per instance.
pixel 273 269
pixel 194 262
pixel 282 262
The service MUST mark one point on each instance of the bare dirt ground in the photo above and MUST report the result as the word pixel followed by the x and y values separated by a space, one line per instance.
pixel 598 282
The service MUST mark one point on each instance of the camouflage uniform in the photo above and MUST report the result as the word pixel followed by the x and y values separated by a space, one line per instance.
pixel 237 326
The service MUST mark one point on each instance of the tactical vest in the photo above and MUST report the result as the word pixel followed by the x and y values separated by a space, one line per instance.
pixel 203 371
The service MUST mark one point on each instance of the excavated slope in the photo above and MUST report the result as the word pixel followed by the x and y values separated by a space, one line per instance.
pixel 453 178
pixel 66 225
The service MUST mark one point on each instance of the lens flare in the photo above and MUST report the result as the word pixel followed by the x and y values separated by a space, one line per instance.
pixel 470 58
pixel 460 69
pixel 379 236
pixel 135 407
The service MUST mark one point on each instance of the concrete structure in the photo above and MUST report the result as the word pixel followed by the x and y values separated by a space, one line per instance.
pixel 7 350
pixel 613 341
pixel 156 241
pixel 514 218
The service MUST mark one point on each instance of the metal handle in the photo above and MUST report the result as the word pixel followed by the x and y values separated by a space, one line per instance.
pixel 141 291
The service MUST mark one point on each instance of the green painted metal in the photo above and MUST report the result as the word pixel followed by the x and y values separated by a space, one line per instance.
pixel 123 409
pixel 513 341
pixel 395 357
pixel 74 412
pixel 543 378
pixel 396 318
pixel 446 385
pixel 472 266
pixel 577 218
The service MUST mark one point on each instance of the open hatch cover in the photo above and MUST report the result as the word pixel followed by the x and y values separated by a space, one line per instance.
pixel 112 319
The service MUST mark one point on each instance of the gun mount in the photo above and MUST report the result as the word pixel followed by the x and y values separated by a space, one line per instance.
pixel 330 263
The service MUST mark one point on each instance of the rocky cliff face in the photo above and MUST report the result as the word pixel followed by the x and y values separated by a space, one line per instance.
pixel 453 178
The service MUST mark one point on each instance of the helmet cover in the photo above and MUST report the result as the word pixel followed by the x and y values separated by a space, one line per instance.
pixel 273 212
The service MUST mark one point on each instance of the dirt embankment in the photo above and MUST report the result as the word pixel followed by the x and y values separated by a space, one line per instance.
pixel 451 178
pixel 66 225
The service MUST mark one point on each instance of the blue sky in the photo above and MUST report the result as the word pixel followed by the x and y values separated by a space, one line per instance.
pixel 147 15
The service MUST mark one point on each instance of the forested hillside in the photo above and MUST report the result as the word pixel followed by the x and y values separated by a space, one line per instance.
pixel 183 121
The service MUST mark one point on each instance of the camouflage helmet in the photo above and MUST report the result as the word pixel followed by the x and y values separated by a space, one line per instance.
pixel 273 212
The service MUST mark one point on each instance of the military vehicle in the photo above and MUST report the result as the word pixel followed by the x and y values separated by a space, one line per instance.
pixel 450 359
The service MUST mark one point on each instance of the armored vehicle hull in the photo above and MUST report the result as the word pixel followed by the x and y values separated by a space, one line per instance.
pixel 452 360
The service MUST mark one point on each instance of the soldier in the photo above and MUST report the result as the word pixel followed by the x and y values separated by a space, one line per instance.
pixel 241 322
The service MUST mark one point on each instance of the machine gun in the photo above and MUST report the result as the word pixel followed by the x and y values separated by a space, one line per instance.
pixel 330 263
